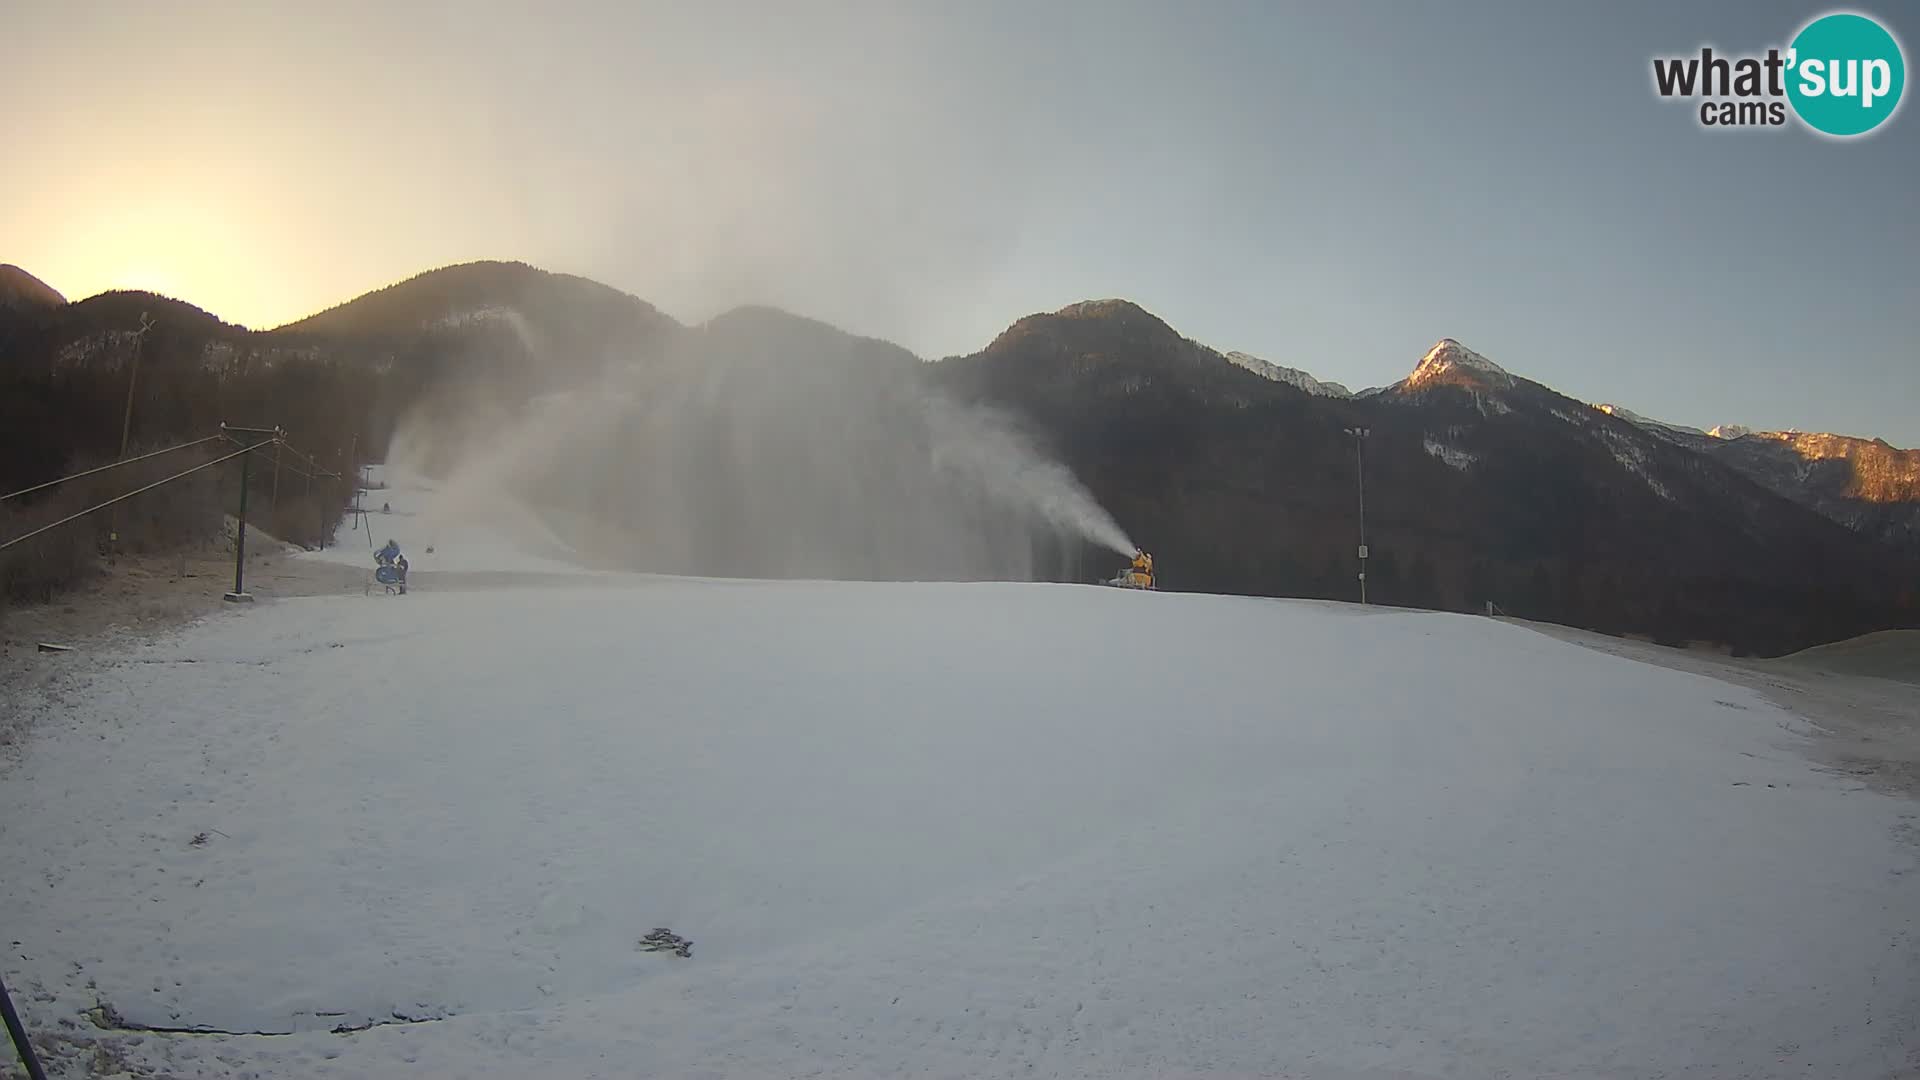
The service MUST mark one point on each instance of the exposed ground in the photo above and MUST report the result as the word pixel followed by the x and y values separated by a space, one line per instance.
pixel 1862 695
pixel 1889 654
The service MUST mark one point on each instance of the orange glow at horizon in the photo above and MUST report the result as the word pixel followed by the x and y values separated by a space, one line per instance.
pixel 178 247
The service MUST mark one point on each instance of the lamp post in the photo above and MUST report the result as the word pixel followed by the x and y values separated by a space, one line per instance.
pixel 1360 479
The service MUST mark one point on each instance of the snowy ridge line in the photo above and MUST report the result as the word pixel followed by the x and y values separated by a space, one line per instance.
pixel 1648 422
pixel 1293 377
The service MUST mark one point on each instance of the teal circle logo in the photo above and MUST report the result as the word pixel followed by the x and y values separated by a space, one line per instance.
pixel 1845 73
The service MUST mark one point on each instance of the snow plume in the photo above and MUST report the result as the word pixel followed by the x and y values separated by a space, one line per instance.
pixel 984 450
pixel 762 445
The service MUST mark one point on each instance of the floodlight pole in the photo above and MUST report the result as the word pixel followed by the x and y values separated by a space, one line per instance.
pixel 1360 479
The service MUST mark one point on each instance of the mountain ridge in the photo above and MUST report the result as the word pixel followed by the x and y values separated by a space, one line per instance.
pixel 20 289
pixel 1482 486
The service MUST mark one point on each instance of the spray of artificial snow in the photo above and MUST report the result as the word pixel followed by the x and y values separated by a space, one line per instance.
pixel 763 445
pixel 990 452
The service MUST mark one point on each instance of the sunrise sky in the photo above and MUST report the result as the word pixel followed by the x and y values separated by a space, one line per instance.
pixel 1330 189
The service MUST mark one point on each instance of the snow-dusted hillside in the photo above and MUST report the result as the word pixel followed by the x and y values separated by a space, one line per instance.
pixel 941 829
pixel 1863 484
pixel 1293 377
pixel 1658 427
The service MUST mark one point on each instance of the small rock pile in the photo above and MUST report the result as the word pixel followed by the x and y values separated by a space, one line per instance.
pixel 665 940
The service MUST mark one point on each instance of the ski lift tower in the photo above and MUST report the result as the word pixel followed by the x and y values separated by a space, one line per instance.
pixel 357 513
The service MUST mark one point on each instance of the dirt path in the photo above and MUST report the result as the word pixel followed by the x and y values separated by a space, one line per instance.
pixel 1870 726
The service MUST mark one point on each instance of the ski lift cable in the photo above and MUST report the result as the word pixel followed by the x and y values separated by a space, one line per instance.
pixel 104 468
pixel 294 469
pixel 4 545
pixel 286 447
pixel 311 461
pixel 280 437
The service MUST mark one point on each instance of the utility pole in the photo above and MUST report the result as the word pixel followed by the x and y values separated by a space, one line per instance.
pixel 133 376
pixel 239 592
pixel 320 532
pixel 1360 477
pixel 126 423
pixel 265 435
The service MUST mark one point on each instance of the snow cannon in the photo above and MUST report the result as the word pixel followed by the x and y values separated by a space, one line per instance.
pixel 1138 575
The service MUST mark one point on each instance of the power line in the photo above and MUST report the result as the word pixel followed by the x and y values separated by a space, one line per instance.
pixel 312 462
pixel 104 468
pixel 280 437
pixel 297 471
pixel 122 498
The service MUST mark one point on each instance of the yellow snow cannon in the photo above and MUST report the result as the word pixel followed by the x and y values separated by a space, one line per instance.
pixel 1137 576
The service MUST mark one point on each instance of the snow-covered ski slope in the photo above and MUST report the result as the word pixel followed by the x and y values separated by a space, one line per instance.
pixel 465 533
pixel 942 830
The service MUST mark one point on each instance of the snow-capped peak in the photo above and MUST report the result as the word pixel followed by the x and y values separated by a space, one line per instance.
pixel 1448 356
pixel 1730 431
pixel 1294 377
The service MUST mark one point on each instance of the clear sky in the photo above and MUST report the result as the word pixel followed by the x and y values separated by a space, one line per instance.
pixel 1328 186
